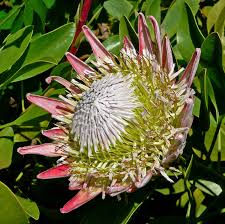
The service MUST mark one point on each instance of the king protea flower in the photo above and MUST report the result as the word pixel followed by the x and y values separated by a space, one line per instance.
pixel 124 123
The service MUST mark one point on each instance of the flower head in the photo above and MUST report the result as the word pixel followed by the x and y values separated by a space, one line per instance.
pixel 124 123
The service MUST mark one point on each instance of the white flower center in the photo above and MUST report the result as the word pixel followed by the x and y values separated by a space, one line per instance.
pixel 103 111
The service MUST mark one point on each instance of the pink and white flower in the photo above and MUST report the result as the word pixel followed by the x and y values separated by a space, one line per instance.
pixel 121 123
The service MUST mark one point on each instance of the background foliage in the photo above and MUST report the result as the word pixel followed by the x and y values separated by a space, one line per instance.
pixel 34 35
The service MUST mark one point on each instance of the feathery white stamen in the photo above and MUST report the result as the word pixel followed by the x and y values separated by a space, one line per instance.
pixel 103 112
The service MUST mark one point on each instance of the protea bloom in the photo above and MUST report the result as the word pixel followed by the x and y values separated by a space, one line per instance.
pixel 124 123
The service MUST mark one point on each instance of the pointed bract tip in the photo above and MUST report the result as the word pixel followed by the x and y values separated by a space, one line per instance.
pixel 145 42
pixel 191 68
pixel 82 197
pixel 98 48
pixel 55 172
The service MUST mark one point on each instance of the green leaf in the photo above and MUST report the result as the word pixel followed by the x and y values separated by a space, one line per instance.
pixel 196 34
pixel 184 41
pixel 96 14
pixel 219 26
pixel 43 53
pixel 11 210
pixel 204 110
pixel 188 170
pixel 212 142
pixel 6 147
pixel 211 58
pixel 131 212
pixel 51 45
pixel 30 124
pixel 194 5
pixel 211 54
pixel 153 9
pixel 63 69
pixel 199 197
pixel 169 25
pixel 31 70
pixel 118 8
pixel 7 22
pixel 197 106
pixel 18 22
pixel 182 202
pixel 28 13
pixel 112 44
pixel 49 3
pixel 214 14
pixel 126 29
pixel 41 10
pixel 14 47
pixel 208 187
pixel 29 207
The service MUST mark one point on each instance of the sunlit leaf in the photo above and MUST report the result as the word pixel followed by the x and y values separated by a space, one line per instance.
pixel 169 26
pixel 7 22
pixel 29 207
pixel 118 8
pixel 9 202
pixel 153 9
pixel 194 5
pixel 214 13
pixel 208 187
pixel 14 46
pixel 126 29
pixel 6 147
pixel 43 53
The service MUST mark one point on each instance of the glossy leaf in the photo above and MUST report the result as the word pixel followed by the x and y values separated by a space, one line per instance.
pixel 29 71
pixel 220 23
pixel 51 45
pixel 199 197
pixel 118 8
pixel 153 9
pixel 212 51
pixel 43 53
pixel 194 5
pixel 29 207
pixel 214 14
pixel 9 202
pixel 208 187
pixel 7 22
pixel 211 58
pixel 168 25
pixel 30 124
pixel 6 147
pixel 49 3
pixel 184 41
pixel 14 47
pixel 204 110
pixel 196 34
pixel 126 29
pixel 41 10
pixel 28 13
pixel 212 142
